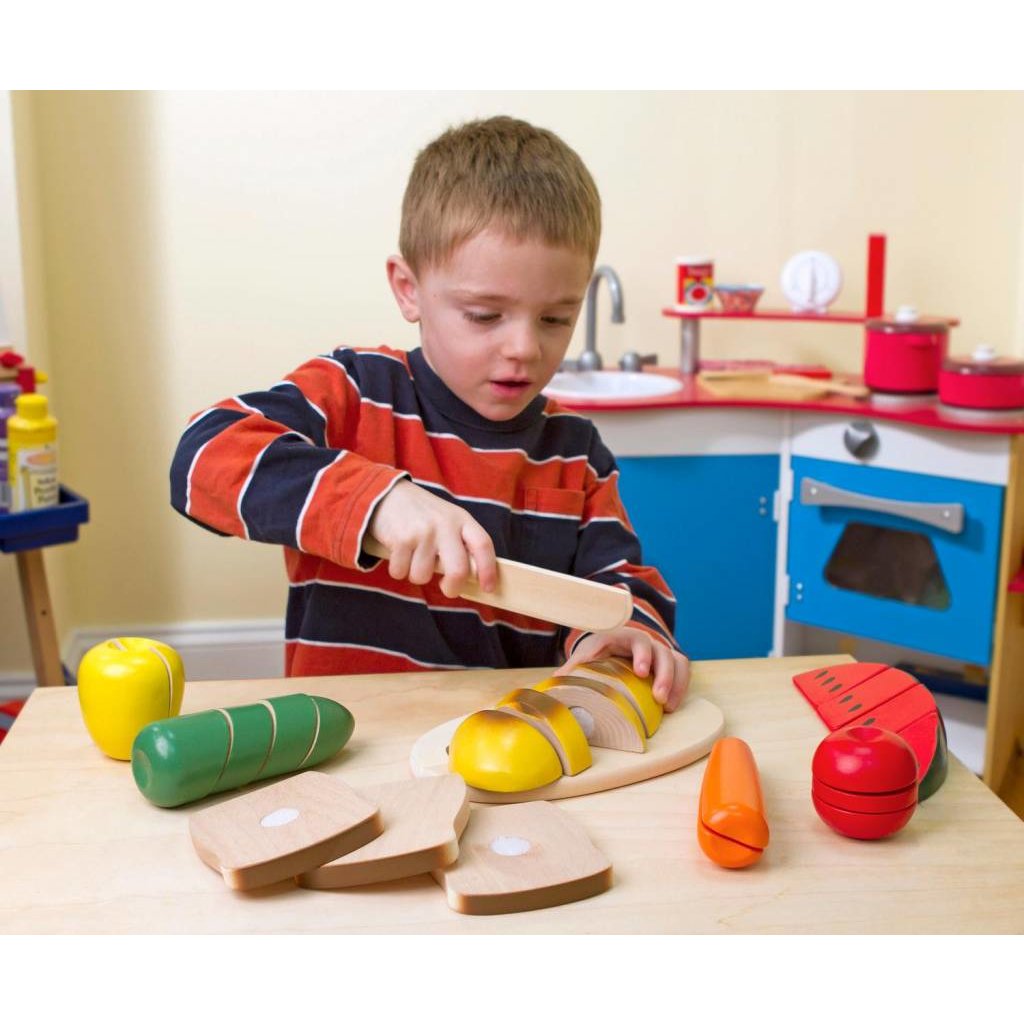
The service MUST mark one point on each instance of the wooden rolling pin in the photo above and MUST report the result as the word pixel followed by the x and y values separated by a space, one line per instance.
pixel 545 594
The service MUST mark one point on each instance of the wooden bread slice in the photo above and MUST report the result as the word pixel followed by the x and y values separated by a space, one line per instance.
pixel 619 673
pixel 284 829
pixel 607 718
pixel 523 857
pixel 423 820
pixel 557 723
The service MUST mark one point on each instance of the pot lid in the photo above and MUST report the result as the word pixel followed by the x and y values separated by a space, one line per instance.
pixel 918 325
pixel 983 361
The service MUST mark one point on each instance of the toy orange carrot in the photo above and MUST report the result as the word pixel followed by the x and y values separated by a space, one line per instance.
pixel 731 826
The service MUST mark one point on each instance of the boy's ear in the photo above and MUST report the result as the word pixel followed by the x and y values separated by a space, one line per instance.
pixel 406 288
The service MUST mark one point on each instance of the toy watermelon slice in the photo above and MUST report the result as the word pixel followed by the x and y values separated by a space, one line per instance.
pixel 872 694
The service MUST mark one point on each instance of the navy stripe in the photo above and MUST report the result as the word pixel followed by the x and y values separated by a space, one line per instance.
pixel 322 613
pixel 195 436
pixel 285 403
pixel 273 501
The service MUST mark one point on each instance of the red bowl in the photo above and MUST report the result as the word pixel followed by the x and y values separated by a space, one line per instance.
pixel 861 825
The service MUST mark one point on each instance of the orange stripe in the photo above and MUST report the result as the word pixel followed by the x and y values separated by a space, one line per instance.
pixel 222 468
pixel 307 660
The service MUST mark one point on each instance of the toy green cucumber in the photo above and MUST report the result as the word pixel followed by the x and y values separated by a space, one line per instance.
pixel 178 760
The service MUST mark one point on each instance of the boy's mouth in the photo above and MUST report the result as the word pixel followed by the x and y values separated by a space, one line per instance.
pixel 510 386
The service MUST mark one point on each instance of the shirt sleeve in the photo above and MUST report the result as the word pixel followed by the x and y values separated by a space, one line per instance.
pixel 609 552
pixel 277 466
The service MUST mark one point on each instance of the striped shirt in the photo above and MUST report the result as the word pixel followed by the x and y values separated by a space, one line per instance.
pixel 305 463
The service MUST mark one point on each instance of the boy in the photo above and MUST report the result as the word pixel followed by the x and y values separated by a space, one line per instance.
pixel 448 455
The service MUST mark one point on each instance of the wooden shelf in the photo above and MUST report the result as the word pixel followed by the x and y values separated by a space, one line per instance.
pixel 776 314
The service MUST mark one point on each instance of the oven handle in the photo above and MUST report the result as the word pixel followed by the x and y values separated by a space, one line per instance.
pixel 942 517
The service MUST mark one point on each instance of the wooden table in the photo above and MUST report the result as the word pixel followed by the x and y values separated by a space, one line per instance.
pixel 82 851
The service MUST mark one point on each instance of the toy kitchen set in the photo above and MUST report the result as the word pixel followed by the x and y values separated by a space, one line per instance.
pixel 793 512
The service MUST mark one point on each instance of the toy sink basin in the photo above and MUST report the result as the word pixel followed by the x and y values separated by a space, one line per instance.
pixel 611 385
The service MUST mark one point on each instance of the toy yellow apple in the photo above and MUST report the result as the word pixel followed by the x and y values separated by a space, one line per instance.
pixel 123 685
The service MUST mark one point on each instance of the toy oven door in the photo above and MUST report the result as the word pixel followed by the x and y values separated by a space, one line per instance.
pixel 906 558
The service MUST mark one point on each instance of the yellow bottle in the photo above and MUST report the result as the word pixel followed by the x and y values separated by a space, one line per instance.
pixel 32 455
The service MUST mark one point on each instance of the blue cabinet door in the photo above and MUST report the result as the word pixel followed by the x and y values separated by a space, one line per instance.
pixel 706 523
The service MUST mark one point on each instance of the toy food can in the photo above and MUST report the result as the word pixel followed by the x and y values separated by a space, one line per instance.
pixel 695 276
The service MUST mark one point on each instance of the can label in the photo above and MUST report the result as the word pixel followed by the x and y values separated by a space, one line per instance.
pixel 34 482
pixel 695 283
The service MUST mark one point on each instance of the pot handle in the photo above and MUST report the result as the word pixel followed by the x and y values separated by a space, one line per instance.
pixel 942 516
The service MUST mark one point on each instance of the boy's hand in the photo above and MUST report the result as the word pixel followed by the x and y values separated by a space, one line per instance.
pixel 671 669
pixel 426 534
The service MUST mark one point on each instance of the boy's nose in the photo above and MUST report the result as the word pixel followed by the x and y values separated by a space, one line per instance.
pixel 521 343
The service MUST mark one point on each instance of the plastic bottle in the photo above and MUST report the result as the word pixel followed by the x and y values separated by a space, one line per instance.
pixel 8 393
pixel 32 455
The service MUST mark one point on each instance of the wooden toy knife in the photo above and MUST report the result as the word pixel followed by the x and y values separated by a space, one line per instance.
pixel 545 594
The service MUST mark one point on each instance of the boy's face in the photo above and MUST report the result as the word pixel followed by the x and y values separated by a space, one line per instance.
pixel 495 319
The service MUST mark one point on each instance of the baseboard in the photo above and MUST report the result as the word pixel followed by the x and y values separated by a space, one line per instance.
pixel 210 650
pixel 16 687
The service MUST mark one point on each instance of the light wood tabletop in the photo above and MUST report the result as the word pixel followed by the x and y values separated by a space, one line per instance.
pixel 81 851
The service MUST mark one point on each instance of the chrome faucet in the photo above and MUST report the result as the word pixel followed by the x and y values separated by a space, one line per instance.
pixel 590 358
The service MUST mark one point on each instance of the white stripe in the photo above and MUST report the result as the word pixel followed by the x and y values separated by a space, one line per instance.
pixel 244 405
pixel 309 497
pixel 379 650
pixel 203 415
pixel 245 486
pixel 603 519
pixel 608 568
pixel 425 604
pixel 340 366
pixel 188 479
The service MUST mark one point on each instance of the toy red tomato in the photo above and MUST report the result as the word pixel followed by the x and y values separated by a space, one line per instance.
pixel 864 782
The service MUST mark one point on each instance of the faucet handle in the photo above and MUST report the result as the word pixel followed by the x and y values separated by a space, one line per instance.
pixel 633 362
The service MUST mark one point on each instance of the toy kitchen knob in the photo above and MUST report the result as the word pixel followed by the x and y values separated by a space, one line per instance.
pixel 861 439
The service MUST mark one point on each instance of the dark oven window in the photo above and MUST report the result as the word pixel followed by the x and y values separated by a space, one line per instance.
pixel 896 564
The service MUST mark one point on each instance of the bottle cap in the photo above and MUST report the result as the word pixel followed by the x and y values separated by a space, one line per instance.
pixel 32 407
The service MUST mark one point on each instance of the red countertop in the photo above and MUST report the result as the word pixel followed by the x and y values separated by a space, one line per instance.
pixel 918 412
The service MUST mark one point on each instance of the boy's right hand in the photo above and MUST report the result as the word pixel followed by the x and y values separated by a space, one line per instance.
pixel 426 534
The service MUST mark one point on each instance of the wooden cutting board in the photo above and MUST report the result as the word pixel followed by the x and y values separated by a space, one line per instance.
pixel 423 820
pixel 523 857
pixel 685 736
pixel 786 387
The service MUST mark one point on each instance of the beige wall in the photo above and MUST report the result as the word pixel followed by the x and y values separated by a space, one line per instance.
pixel 179 247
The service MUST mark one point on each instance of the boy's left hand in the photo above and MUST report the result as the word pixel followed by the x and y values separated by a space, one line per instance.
pixel 671 669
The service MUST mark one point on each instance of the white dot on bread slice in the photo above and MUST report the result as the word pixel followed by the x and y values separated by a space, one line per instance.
pixel 557 723
pixel 637 690
pixel 616 722
pixel 526 856
pixel 423 820
pixel 283 829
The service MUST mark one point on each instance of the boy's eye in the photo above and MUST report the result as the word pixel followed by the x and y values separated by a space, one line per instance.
pixel 558 321
pixel 480 318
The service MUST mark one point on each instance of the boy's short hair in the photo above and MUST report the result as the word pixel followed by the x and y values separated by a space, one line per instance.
pixel 502 173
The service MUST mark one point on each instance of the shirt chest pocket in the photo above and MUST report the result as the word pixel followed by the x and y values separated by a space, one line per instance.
pixel 549 527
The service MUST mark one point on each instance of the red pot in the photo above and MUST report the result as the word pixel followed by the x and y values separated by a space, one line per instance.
pixel 904 354
pixel 984 381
